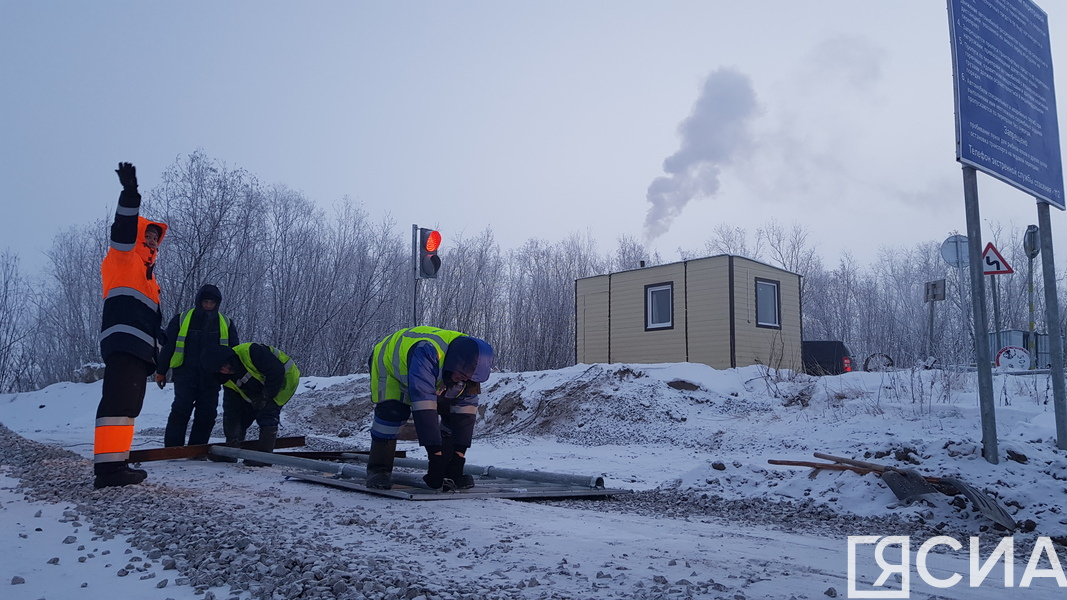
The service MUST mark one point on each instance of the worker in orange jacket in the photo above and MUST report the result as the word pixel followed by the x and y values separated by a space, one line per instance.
pixel 129 333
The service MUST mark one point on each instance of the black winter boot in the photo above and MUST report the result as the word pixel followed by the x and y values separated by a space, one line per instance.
pixel 435 474
pixel 461 480
pixel 267 438
pixel 380 464
pixel 116 475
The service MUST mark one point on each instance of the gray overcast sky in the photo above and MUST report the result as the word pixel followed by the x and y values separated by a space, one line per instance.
pixel 537 119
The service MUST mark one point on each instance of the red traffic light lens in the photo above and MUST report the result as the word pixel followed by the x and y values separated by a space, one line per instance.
pixel 433 241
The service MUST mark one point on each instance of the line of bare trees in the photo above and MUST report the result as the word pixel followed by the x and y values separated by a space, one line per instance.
pixel 326 286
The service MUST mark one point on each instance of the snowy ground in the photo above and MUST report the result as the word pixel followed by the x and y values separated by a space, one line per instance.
pixel 708 517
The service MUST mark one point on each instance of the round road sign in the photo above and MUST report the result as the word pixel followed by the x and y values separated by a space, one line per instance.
pixel 1014 358
pixel 954 251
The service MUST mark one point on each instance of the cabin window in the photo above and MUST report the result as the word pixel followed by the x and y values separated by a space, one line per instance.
pixel 659 306
pixel 768 304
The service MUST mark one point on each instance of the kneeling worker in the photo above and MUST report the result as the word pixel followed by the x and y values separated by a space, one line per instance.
pixel 435 376
pixel 257 380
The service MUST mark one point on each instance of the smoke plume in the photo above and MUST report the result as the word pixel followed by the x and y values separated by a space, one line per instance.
pixel 712 135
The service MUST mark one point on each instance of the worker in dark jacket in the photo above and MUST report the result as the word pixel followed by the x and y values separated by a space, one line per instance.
pixel 257 381
pixel 196 392
pixel 435 376
pixel 128 333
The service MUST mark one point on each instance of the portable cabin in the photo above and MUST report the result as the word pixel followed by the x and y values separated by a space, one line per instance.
pixel 723 311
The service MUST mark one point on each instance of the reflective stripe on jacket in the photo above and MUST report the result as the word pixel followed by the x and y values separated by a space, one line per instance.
pixel 289 385
pixel 389 365
pixel 178 357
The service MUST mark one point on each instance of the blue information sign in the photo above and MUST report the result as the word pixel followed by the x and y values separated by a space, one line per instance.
pixel 1006 122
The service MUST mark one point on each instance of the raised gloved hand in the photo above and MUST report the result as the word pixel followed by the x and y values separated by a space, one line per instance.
pixel 435 474
pixel 127 176
pixel 161 380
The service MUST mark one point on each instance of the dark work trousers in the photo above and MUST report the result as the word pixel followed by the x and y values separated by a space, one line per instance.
pixel 125 377
pixel 238 415
pixel 458 427
pixel 195 396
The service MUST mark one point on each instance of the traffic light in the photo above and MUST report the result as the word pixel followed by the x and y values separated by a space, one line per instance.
pixel 429 262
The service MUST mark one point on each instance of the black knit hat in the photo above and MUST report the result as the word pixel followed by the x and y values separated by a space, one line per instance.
pixel 208 292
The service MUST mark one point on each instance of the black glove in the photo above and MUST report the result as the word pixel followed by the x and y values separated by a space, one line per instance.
pixel 261 403
pixel 435 474
pixel 127 176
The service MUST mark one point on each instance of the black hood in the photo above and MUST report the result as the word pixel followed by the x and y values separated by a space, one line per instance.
pixel 208 292
pixel 213 358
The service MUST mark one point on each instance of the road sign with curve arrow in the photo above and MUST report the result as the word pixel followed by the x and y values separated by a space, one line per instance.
pixel 993 263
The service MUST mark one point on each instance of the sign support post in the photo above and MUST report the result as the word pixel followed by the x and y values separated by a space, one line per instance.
pixel 1031 347
pixel 978 309
pixel 1052 323
pixel 935 291
pixel 1031 246
pixel 993 264
pixel 930 333
pixel 996 311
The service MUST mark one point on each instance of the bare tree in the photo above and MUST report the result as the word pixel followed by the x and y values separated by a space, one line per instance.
pixel 631 254
pixel 362 264
pixel 788 248
pixel 15 325
pixel 216 234
pixel 830 301
pixel 69 304
pixel 734 240
pixel 539 299
pixel 466 296
pixel 205 205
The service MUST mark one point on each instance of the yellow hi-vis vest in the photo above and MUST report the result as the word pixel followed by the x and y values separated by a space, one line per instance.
pixel 292 374
pixel 178 357
pixel 389 370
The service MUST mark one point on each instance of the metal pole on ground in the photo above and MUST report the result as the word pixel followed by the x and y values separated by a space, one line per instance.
pixel 348 470
pixel 1052 324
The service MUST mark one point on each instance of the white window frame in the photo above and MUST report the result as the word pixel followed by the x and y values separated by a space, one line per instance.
pixel 768 290
pixel 656 290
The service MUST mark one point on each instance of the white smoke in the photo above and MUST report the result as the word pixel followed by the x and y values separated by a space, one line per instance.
pixel 712 135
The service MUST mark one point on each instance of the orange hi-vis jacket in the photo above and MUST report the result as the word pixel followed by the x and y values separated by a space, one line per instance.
pixel 131 317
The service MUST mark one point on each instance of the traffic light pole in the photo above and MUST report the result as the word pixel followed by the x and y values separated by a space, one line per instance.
pixel 425 243
pixel 415 306
pixel 415 272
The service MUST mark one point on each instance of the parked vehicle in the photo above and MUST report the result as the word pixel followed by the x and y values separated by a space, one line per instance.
pixel 826 357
